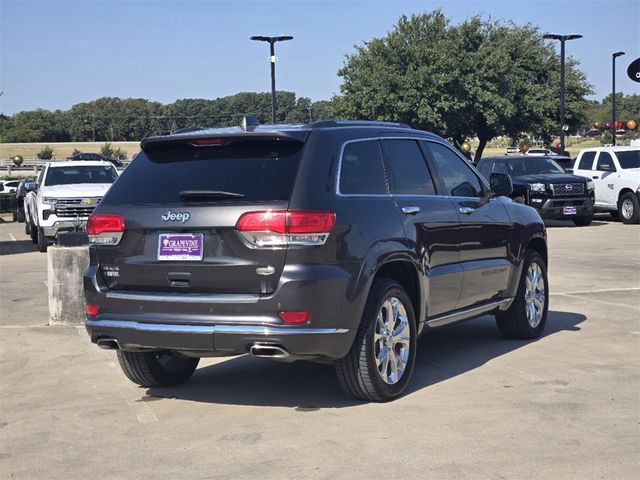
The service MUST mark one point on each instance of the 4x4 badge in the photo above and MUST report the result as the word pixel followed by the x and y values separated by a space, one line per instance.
pixel 176 216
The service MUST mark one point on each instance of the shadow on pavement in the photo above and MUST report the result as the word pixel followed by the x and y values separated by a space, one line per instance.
pixel 570 224
pixel 442 354
pixel 16 248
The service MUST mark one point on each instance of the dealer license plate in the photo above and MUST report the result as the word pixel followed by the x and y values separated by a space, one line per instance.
pixel 180 247
pixel 569 210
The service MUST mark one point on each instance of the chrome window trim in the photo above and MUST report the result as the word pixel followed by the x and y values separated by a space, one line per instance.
pixel 213 329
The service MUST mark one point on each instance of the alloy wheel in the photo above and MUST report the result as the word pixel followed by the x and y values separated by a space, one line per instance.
pixel 534 295
pixel 392 340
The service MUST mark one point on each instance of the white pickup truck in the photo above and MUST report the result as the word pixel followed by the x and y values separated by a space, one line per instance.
pixel 63 197
pixel 615 172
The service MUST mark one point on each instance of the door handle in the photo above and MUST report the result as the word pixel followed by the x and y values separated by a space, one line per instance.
pixel 466 210
pixel 596 177
pixel 411 209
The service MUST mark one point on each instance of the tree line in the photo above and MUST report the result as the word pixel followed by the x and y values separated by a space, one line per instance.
pixel 130 119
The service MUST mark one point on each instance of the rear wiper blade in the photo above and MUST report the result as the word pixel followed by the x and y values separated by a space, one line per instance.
pixel 189 194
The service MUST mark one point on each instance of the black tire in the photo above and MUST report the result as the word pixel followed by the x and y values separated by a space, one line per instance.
pixel 20 216
pixel 27 227
pixel 514 322
pixel 358 372
pixel 33 233
pixel 629 208
pixel 582 221
pixel 14 216
pixel 157 369
pixel 42 241
pixel 614 214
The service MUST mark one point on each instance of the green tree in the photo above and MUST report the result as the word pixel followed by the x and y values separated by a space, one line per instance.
pixel 479 78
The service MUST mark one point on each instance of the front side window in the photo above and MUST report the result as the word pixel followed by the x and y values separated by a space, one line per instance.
pixel 361 170
pixel 500 167
pixel 605 162
pixel 458 179
pixel 408 171
pixel 586 161
pixel 80 174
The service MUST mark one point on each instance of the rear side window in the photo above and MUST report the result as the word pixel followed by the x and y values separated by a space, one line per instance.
pixel 361 170
pixel 586 161
pixel 407 168
pixel 604 161
pixel 456 175
pixel 258 170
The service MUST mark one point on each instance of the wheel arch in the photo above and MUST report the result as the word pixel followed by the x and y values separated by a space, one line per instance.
pixel 405 273
pixel 539 245
pixel 624 191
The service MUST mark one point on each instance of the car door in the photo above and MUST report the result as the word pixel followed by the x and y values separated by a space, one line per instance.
pixel 430 222
pixel 604 178
pixel 586 168
pixel 485 227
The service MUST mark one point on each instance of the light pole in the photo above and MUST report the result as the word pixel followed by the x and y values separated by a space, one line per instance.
pixel 562 39
pixel 613 94
pixel 272 59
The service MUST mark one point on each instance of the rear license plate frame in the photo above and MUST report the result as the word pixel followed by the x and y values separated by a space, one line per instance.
pixel 186 251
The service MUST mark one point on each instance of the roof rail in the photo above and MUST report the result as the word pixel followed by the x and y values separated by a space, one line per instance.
pixel 355 123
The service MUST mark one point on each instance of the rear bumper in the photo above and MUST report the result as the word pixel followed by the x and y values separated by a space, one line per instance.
pixel 299 342
pixel 228 324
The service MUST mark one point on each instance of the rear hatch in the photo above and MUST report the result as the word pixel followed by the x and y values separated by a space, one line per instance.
pixel 180 201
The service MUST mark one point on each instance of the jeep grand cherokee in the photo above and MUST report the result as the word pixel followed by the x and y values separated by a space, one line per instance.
pixel 332 241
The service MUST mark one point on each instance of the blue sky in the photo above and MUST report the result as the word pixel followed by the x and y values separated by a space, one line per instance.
pixel 57 53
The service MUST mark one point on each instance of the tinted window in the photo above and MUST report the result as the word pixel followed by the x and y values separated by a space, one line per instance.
pixel 80 174
pixel 500 167
pixel 458 179
pixel 533 166
pixel 407 168
pixel 484 167
pixel 260 170
pixel 362 171
pixel 586 161
pixel 605 160
pixel 629 159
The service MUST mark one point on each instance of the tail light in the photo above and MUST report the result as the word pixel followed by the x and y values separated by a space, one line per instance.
pixel 294 317
pixel 105 228
pixel 92 310
pixel 272 228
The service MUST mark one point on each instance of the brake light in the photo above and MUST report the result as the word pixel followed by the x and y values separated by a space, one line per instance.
pixel 92 310
pixel 294 317
pixel 286 227
pixel 208 141
pixel 105 228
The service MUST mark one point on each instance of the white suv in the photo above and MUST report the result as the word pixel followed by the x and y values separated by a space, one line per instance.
pixel 64 196
pixel 615 172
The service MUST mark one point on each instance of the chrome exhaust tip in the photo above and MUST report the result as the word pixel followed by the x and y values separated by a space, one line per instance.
pixel 267 350
pixel 108 344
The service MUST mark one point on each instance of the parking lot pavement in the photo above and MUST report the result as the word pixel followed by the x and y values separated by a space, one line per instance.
pixel 564 406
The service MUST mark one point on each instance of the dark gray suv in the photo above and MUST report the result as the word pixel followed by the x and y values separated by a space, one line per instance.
pixel 332 241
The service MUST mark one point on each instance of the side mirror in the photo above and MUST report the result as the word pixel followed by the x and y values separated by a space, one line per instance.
pixel 31 186
pixel 501 184
pixel 1 187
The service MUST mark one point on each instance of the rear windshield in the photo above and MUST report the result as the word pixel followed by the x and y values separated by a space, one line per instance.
pixel 257 170
pixel 80 174
pixel 629 159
